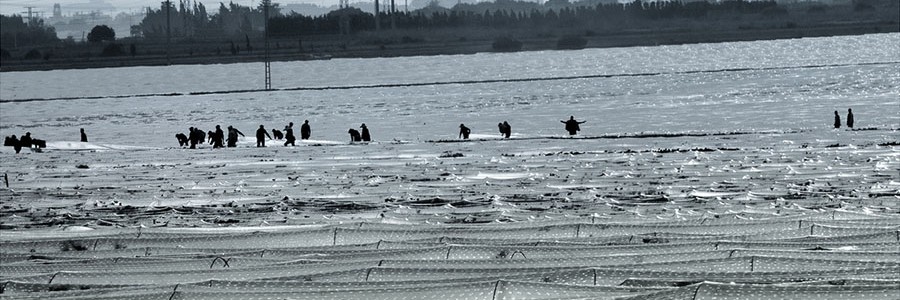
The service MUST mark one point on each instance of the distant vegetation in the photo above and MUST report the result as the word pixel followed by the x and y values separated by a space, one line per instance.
pixel 504 25
pixel 101 33
pixel 15 32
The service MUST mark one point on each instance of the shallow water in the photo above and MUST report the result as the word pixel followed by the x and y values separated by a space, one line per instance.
pixel 775 85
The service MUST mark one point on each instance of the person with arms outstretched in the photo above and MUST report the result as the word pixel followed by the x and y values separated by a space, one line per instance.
pixel 233 136
pixel 572 125
pixel 261 135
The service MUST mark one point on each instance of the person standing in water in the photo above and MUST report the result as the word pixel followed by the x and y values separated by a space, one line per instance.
pixel 289 134
pixel 572 125
pixel 365 133
pixel 193 137
pixel 837 120
pixel 304 130
pixel 261 135
pixel 83 136
pixel 233 136
pixel 850 118
pixel 505 129
pixel 464 131
pixel 218 137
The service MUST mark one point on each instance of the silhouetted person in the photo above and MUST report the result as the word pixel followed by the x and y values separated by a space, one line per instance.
pixel 289 134
pixel 505 129
pixel 218 137
pixel 277 134
pixel 354 135
pixel 25 141
pixel 304 130
pixel 850 118
pixel 233 136
pixel 193 137
pixel 261 135
pixel 196 136
pixel 365 133
pixel 182 139
pixel 572 125
pixel 210 136
pixel 83 136
pixel 508 129
pixel 14 142
pixel 201 135
pixel 464 131
pixel 837 120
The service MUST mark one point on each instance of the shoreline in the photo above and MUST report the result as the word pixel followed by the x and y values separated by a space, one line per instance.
pixel 433 48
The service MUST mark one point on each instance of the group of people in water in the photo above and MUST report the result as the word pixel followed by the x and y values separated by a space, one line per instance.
pixel 26 141
pixel 837 119
pixel 356 136
pixel 218 138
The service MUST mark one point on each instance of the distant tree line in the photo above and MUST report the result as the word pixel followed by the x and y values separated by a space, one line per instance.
pixel 511 14
pixel 191 19
pixel 15 32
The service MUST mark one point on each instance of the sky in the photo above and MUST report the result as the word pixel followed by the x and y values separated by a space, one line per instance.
pixel 8 7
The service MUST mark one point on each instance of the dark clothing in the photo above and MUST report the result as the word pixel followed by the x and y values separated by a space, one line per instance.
pixel 13 142
pixel 25 141
pixel 505 129
pixel 289 136
pixel 277 134
pixel 365 134
pixel 837 120
pixel 83 137
pixel 218 138
pixel 233 136
pixel 194 137
pixel 354 135
pixel 572 126
pixel 182 139
pixel 261 134
pixel 305 131
pixel 849 119
pixel 464 132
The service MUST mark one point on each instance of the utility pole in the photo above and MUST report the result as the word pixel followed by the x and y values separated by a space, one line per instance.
pixel 344 25
pixel 393 11
pixel 377 19
pixel 266 4
pixel 30 14
pixel 168 31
